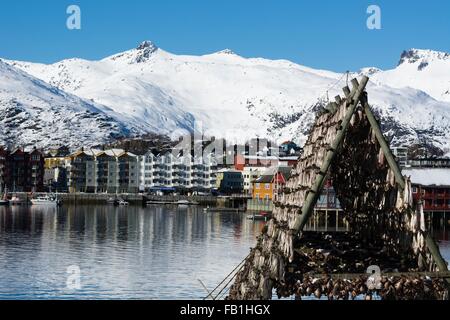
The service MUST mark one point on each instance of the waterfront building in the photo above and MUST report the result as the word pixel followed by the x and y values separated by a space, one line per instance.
pixel 56 157
pixel 267 186
pixel 104 171
pixel 4 174
pixel 56 180
pixel 17 163
pixel 128 172
pixel 250 174
pixel 229 181
pixel 79 175
pixel 35 164
pixel 183 173
pixel 401 154
pixel 432 187
pixel 429 163
pixel 327 200
pixel 107 171
pixel 21 171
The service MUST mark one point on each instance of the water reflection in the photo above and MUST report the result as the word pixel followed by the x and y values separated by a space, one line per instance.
pixel 126 252
pixel 137 253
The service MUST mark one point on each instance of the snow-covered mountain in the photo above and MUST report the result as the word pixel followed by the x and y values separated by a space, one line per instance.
pixel 235 97
pixel 33 113
pixel 424 70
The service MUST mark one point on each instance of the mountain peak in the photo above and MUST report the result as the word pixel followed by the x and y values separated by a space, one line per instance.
pixel 145 50
pixel 424 57
pixel 147 44
pixel 226 51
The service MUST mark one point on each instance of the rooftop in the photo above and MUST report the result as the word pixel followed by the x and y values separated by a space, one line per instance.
pixel 429 176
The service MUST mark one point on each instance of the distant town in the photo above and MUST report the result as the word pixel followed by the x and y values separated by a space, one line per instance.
pixel 258 177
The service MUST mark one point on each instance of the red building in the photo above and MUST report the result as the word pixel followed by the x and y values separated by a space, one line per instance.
pixel 432 186
pixel 4 174
pixel 36 170
pixel 22 171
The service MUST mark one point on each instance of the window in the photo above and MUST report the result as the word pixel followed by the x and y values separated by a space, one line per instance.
pixel 267 197
pixel 414 189
pixel 257 185
pixel 257 195
pixel 267 186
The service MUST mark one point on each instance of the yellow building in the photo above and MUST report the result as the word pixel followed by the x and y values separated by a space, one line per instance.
pixel 263 188
pixel 54 162
pixel 270 183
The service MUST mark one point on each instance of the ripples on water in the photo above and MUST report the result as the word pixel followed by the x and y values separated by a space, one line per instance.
pixel 123 253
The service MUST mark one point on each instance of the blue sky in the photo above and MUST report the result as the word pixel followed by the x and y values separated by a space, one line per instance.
pixel 326 34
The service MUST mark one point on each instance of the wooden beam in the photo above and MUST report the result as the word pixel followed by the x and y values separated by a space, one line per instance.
pixel 435 252
pixel 347 91
pixel 400 180
pixel 351 276
pixel 313 194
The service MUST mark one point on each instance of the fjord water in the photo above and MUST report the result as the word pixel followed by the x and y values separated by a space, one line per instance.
pixel 123 253
pixel 159 252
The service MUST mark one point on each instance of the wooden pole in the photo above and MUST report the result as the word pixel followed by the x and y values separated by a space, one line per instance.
pixel 314 193
pixel 431 244
pixel 434 250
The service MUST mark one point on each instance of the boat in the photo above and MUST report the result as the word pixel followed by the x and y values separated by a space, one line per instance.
pixel 113 201
pixel 46 200
pixel 16 201
pixel 186 203
pixel 123 203
pixel 3 198
pixel 150 202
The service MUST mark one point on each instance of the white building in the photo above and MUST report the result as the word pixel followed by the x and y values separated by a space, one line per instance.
pixel 401 154
pixel 167 170
pixel 250 174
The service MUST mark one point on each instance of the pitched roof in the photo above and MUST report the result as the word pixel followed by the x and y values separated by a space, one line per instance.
pixel 264 179
pixel 269 174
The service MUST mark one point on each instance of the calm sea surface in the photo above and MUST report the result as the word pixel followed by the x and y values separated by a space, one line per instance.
pixel 122 253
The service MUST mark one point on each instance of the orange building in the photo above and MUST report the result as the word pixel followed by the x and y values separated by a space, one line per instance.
pixel 269 184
